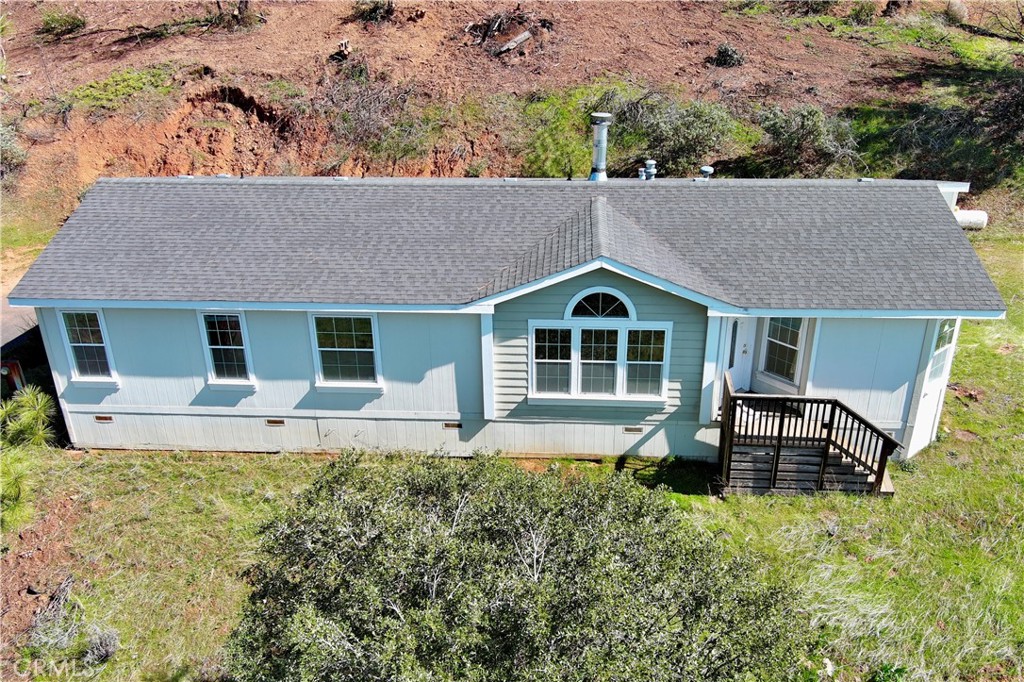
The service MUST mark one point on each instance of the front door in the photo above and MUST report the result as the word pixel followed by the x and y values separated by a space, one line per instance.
pixel 740 348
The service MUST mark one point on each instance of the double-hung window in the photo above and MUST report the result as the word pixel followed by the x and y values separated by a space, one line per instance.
pixel 225 345
pixel 346 350
pixel 87 345
pixel 599 350
pixel 782 347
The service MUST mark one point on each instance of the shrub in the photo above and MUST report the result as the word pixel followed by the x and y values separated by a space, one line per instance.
pixel 807 7
pixel 804 140
pixel 430 568
pixel 374 11
pixel 956 12
pixel 12 155
pixel 15 472
pixel 58 23
pixel 684 135
pixel 100 645
pixel 25 419
pixel 862 13
pixel 728 56
pixel 121 86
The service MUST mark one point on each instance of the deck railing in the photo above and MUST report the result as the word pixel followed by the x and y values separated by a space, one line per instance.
pixel 782 421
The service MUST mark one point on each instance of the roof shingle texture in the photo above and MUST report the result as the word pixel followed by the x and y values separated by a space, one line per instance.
pixel 882 245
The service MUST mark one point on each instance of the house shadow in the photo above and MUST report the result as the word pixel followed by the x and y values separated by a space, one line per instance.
pixel 681 476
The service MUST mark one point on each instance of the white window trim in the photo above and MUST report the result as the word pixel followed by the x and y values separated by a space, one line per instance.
pixel 800 347
pixel 575 396
pixel 322 384
pixel 938 334
pixel 630 308
pixel 211 378
pixel 73 376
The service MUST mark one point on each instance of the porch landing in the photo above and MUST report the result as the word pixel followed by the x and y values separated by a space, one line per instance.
pixel 799 444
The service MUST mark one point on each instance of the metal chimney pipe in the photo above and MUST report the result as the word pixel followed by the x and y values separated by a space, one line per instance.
pixel 651 169
pixel 599 169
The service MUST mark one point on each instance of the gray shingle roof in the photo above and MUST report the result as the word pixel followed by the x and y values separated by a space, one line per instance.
pixel 886 245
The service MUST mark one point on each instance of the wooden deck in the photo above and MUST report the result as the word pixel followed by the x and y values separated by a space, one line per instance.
pixel 795 444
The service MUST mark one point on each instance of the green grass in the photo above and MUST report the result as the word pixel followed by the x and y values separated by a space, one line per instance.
pixel 161 540
pixel 120 87
pixel 923 29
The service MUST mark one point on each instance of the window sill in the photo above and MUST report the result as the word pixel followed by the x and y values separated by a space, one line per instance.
pixel 94 382
pixel 222 385
pixel 343 387
pixel 776 380
pixel 607 401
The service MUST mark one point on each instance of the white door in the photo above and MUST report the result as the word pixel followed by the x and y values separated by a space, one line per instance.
pixel 740 351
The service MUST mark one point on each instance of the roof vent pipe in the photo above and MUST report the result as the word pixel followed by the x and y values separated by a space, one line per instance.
pixel 641 173
pixel 600 121
pixel 706 172
pixel 650 169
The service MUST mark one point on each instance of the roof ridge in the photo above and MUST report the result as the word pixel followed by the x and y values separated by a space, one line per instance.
pixel 600 221
pixel 579 220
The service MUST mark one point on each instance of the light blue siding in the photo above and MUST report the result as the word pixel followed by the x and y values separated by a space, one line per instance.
pixel 430 364
pixel 871 365
pixel 511 350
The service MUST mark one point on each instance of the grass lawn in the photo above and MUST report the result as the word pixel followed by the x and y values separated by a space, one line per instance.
pixel 931 580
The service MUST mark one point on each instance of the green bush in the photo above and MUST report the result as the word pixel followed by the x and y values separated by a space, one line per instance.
pixel 683 136
pixel 58 22
pixel 728 56
pixel 436 569
pixel 862 13
pixel 12 155
pixel 374 11
pixel 16 467
pixel 805 141
pixel 121 86
pixel 26 418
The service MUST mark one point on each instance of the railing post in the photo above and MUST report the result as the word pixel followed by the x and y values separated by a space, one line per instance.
pixel 778 443
pixel 828 443
pixel 887 449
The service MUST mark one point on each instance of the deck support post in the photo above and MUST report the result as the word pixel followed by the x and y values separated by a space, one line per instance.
pixel 828 444
pixel 778 444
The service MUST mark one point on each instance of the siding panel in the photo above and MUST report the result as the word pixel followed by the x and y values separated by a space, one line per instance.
pixel 511 349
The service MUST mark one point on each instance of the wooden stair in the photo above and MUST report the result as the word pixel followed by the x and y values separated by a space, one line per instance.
pixel 799 471
pixel 800 444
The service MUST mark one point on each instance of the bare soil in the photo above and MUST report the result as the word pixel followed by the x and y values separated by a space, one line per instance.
pixel 36 563
pixel 211 129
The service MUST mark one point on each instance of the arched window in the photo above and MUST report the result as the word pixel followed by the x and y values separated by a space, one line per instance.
pixel 599 350
pixel 600 302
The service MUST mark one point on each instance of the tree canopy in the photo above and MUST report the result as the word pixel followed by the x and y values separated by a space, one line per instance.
pixel 416 568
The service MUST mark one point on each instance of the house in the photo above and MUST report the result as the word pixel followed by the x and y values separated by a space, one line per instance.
pixel 532 316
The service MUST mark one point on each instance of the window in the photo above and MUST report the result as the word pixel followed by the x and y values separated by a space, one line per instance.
pixel 87 345
pixel 782 347
pixel 599 351
pixel 225 340
pixel 345 349
pixel 946 330
pixel 600 304
pixel 552 353
pixel 645 357
pixel 598 360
